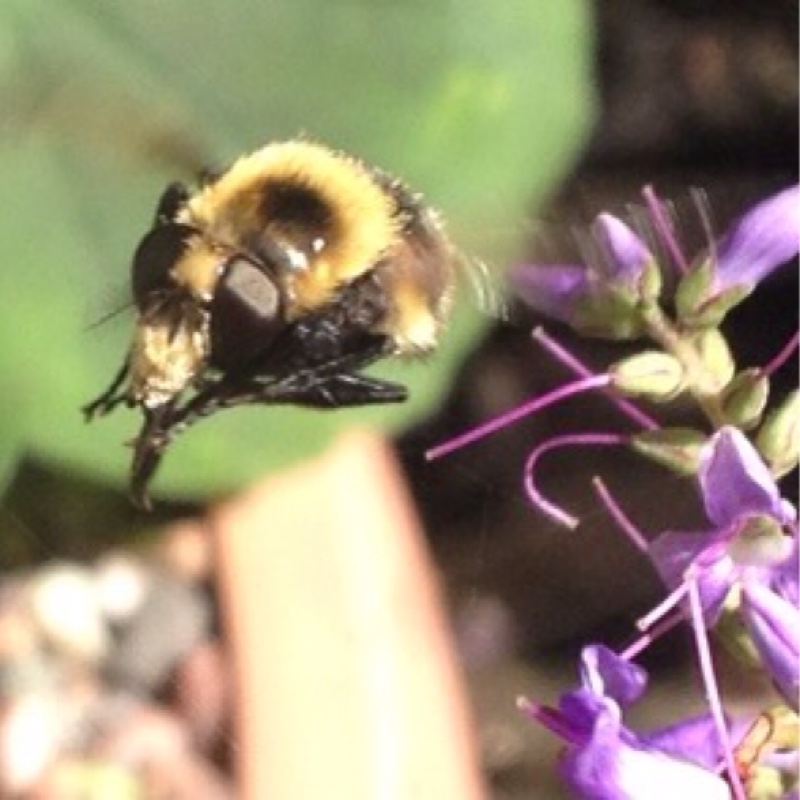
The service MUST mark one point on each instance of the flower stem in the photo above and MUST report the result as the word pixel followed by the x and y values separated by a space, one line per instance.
pixel 663 331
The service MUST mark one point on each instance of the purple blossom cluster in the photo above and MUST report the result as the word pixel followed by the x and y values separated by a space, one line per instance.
pixel 736 580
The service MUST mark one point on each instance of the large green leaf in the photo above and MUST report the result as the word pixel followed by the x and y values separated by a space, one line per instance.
pixel 478 104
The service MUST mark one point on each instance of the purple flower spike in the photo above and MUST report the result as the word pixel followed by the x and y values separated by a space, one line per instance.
pixel 774 625
pixel 735 482
pixel 629 255
pixel 551 289
pixel 763 239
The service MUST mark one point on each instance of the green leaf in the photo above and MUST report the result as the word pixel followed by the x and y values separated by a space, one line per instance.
pixel 480 106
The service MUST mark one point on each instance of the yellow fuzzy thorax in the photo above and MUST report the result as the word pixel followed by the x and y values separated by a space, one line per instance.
pixel 363 222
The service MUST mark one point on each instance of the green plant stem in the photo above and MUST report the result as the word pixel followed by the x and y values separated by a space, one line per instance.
pixel 662 330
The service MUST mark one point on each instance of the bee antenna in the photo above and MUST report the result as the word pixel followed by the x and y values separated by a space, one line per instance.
pixel 108 317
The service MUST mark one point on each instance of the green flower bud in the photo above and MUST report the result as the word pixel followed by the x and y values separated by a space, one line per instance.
pixel 718 364
pixel 651 282
pixel 778 440
pixel 745 398
pixel 653 374
pixel 760 542
pixel 677 449
pixel 693 288
pixel 698 305
pixel 611 314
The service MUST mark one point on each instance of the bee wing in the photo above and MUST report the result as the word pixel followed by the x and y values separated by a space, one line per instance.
pixel 485 286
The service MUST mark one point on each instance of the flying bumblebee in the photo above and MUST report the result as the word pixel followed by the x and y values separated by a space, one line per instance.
pixel 277 282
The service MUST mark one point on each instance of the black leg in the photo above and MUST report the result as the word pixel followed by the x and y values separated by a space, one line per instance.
pixel 111 397
pixel 333 384
pixel 337 391
pixel 148 451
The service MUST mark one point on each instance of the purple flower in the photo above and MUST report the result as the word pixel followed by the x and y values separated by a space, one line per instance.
pixel 764 238
pixel 601 296
pixel 774 626
pixel 737 491
pixel 625 256
pixel 605 760
pixel 553 290
pixel 609 767
pixel 735 482
pixel 605 297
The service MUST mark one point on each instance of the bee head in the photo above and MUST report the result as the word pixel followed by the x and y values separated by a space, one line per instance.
pixel 200 304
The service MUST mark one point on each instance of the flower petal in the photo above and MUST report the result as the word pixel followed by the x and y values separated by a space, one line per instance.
pixel 764 238
pixel 774 625
pixel 694 739
pixel 735 482
pixel 673 552
pixel 629 255
pixel 551 289
pixel 608 675
pixel 609 768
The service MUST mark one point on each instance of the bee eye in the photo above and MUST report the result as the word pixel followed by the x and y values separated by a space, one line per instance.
pixel 246 313
pixel 154 259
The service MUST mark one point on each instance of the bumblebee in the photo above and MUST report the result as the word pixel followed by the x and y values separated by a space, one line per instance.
pixel 277 281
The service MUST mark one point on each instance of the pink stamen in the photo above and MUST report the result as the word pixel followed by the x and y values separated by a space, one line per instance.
pixel 618 515
pixel 549 718
pixel 532 406
pixel 710 683
pixel 552 510
pixel 782 357
pixel 560 353
pixel 666 605
pixel 654 633
pixel 664 228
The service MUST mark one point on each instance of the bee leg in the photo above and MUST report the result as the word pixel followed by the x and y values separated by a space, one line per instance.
pixel 332 384
pixel 111 397
pixel 149 447
pixel 336 391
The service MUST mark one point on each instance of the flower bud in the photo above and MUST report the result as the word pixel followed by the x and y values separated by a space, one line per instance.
pixel 651 282
pixel 697 303
pixel 745 398
pixel 778 441
pixel 677 449
pixel 653 374
pixel 718 365
pixel 611 312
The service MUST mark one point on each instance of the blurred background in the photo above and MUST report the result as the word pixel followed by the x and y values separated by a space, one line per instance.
pixel 519 120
